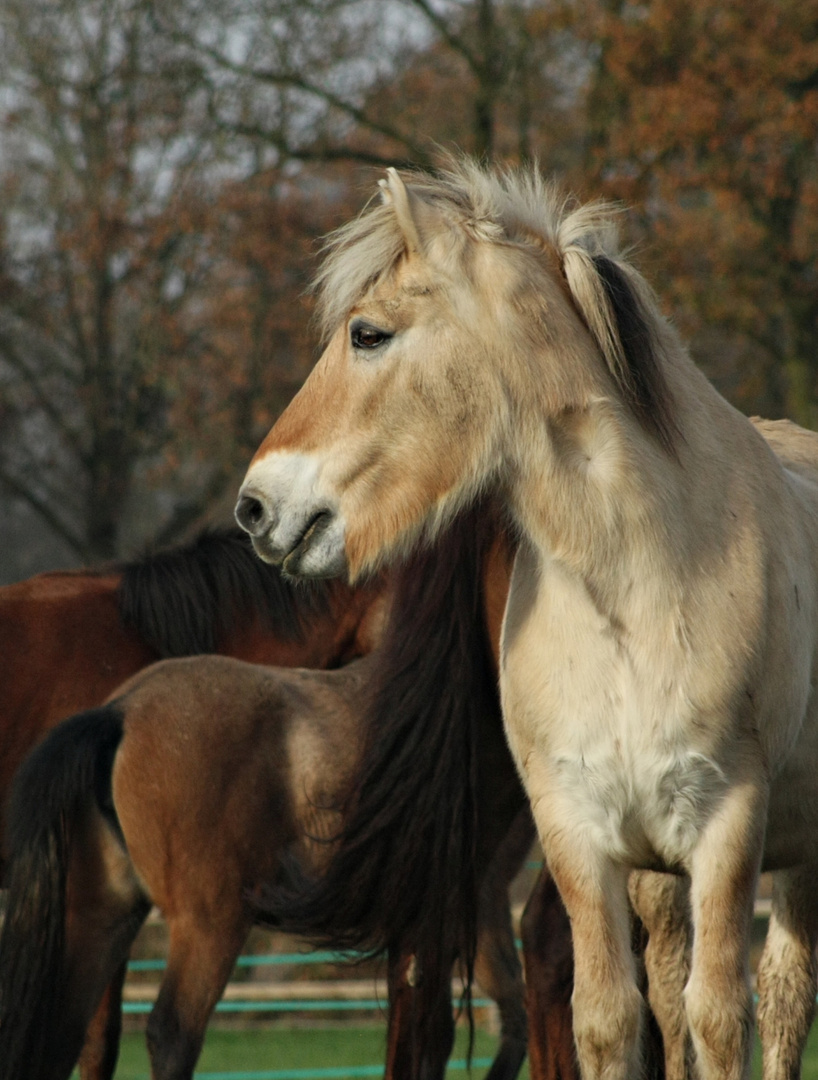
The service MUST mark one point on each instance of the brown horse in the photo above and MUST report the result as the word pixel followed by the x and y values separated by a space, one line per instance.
pixel 191 599
pixel 68 640
pixel 243 760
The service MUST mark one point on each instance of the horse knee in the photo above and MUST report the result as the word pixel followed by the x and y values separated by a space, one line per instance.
pixel 721 1027
pixel 786 1005
pixel 607 1031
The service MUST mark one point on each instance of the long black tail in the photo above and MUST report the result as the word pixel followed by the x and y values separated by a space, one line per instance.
pixel 404 874
pixel 65 775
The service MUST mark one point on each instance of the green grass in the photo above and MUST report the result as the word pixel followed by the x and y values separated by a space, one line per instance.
pixel 281 1048
pixel 306 1048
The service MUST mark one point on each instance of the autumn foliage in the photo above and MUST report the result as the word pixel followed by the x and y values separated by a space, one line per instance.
pixel 704 116
pixel 174 166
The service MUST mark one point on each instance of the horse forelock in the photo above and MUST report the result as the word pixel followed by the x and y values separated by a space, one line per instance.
pixel 524 209
pixel 490 206
pixel 355 257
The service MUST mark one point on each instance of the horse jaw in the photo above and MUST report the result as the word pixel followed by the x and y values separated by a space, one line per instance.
pixel 291 522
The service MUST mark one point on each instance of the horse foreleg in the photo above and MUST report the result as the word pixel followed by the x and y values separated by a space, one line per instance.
pixel 201 956
pixel 101 1047
pixel 787 973
pixel 662 902
pixel 549 982
pixel 724 873
pixel 606 1003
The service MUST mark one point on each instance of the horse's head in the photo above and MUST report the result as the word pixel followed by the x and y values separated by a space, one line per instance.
pixel 400 406
pixel 459 314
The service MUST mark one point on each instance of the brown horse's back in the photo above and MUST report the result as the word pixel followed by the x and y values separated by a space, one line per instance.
pixel 63 649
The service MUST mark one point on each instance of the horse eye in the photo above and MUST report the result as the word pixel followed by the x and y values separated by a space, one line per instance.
pixel 368 337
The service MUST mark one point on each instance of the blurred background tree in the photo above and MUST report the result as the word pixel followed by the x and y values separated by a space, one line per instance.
pixel 704 116
pixel 167 167
pixel 102 138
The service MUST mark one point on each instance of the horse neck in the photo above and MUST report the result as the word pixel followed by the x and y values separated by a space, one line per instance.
pixel 591 488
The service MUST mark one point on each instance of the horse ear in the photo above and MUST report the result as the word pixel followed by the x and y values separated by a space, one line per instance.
pixel 395 194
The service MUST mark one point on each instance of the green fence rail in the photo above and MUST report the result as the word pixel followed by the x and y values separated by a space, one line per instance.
pixel 295 1005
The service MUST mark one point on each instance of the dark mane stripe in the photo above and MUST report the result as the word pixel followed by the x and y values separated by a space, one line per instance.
pixel 646 389
pixel 404 874
pixel 187 600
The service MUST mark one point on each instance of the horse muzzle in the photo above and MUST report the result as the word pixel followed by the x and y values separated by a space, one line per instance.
pixel 304 538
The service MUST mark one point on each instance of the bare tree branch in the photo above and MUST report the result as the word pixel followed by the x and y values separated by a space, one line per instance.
pixel 14 359
pixel 319 151
pixel 455 42
pixel 293 81
pixel 45 511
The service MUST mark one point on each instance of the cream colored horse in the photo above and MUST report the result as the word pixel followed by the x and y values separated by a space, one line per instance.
pixel 659 643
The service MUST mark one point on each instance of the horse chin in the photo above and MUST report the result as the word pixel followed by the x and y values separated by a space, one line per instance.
pixel 320 553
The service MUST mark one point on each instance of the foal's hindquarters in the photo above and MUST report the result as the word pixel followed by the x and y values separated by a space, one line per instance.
pixel 182 792
pixel 274 752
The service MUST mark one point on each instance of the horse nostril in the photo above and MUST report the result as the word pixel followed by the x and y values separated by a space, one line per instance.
pixel 251 515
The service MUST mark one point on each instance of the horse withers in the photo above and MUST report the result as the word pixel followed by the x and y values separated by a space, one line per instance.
pixel 659 642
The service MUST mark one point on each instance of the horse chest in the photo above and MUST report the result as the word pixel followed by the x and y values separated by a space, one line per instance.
pixel 605 741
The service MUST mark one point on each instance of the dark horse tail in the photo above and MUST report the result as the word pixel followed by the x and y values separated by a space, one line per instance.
pixel 55 786
pixel 404 876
